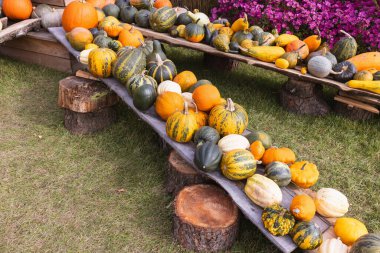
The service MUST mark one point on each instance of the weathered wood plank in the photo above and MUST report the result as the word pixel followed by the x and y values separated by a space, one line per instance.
pixel 292 73
pixel 53 2
pixel 354 103
pixel 4 22
pixel 368 100
pixel 19 29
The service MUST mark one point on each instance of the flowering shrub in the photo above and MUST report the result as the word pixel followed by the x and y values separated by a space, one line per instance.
pixel 360 18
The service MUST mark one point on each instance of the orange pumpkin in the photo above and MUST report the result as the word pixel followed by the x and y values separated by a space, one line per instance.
pixel 97 3
pixel 131 37
pixel 17 9
pixel 257 149
pixel 298 46
pixel 313 41
pixel 206 97
pixel 200 116
pixel 111 26
pixel 162 3
pixel 185 79
pixel 304 174
pixel 125 26
pixel 303 207
pixel 168 103
pixel 79 14
pixel 273 154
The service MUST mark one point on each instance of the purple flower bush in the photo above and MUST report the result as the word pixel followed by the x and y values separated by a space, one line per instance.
pixel 360 18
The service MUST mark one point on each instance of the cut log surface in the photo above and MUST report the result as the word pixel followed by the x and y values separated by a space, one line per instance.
pixel 19 29
pixel 205 218
pixel 181 174
pixel 352 112
pixel 84 95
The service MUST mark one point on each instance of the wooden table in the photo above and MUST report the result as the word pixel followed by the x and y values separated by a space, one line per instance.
pixel 18 29
pixel 234 189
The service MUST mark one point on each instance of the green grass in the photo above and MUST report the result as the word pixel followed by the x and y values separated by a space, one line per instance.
pixel 58 192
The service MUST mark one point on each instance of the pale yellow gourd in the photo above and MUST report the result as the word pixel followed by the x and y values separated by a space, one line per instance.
pixel 233 141
pixel 263 191
pixel 285 39
pixel 83 56
pixel 168 85
pixel 264 53
pixel 331 203
pixel 333 245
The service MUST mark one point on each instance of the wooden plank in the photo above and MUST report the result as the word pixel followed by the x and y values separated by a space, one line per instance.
pixel 31 44
pixel 19 29
pixel 4 22
pixel 49 61
pixel 42 35
pixel 355 103
pixel 292 73
pixel 369 100
pixel 61 3
pixel 84 74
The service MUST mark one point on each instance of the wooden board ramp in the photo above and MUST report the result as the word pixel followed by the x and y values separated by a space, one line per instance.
pixel 19 29
pixel 187 150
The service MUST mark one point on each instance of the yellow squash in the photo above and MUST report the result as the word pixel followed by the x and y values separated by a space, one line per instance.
pixel 373 86
pixel 285 39
pixel 100 61
pixel 264 53
pixel 240 24
pixel 238 164
pixel 366 61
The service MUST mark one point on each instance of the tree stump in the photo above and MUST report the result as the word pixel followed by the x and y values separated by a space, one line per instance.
pixel 219 63
pixel 352 112
pixel 181 174
pixel 89 105
pixel 303 98
pixel 205 218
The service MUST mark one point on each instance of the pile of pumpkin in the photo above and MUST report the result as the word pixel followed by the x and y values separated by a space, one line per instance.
pixel 195 111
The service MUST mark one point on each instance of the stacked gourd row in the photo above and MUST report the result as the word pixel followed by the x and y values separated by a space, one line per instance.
pixel 194 110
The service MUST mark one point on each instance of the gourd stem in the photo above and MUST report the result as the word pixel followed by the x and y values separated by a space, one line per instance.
pixel 245 18
pixel 324 51
pixel 196 22
pixel 319 34
pixel 297 211
pixel 303 166
pixel 159 60
pixel 186 111
pixel 230 105
pixel 345 33
pixel 298 50
pixel 195 105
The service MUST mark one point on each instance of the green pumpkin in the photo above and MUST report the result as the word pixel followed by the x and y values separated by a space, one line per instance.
pixel 279 172
pixel 306 235
pixel 205 134
pixel 102 41
pixel 266 39
pixel 207 157
pixel 115 45
pixel 197 84
pixel 277 220
pixel 346 71
pixel 234 47
pixel 129 63
pixel 144 97
pixel 241 35
pixel 292 58
pixel 141 4
pixel 157 49
pixel 323 52
pixel 194 32
pixel 256 31
pixel 376 76
pixel 162 19
pixel 262 136
pixel 161 70
pixel 183 19
pixel 142 18
pixel 111 10
pixel 127 14
pixel 122 3
pixel 345 48
pixel 369 243
pixel 139 80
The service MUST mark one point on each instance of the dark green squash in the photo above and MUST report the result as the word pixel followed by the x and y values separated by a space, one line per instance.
pixel 345 48
pixel 234 47
pixel 214 34
pixel 197 84
pixel 142 18
pixel 102 41
pixel 157 49
pixel 205 134
pixel 183 19
pixel 222 21
pixel 346 71
pixel 173 31
pixel 376 76
pixel 266 39
pixel 100 33
pixel 115 45
pixel 279 172
pixel 95 32
pixel 141 4
pixel 323 52
pixel 306 235
pixel 161 70
pixel 369 243
pixel 241 35
pixel 162 19
pixel 111 10
pixel 256 31
pixel 208 35
pixel 122 3
pixel 277 220
pixel 139 80
pixel 147 47
pixel 207 157
pixel 194 32
pixel 144 97
pixel 127 14
pixel 129 63
pixel 259 135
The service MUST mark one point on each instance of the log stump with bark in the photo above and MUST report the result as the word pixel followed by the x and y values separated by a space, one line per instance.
pixel 303 98
pixel 181 174
pixel 219 63
pixel 89 105
pixel 205 218
pixel 352 112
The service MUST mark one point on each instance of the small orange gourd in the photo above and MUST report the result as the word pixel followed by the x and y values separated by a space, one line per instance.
pixel 275 154
pixel 313 41
pixel 17 9
pixel 168 103
pixel 206 97
pixel 240 24
pixel 131 37
pixel 200 116
pixel 257 149
pixel 185 79
pixel 302 207
pixel 304 174
pixel 162 3
pixel 298 46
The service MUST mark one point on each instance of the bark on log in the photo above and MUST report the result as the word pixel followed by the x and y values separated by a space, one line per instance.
pixel 352 112
pixel 219 63
pixel 303 98
pixel 181 174
pixel 205 219
pixel 91 122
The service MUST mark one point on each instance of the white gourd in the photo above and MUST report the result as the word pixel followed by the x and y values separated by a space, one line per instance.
pixel 331 203
pixel 333 245
pixel 51 19
pixel 188 97
pixel 233 141
pixel 203 18
pixel 320 66
pixel 169 86
pixel 263 191
pixel 83 56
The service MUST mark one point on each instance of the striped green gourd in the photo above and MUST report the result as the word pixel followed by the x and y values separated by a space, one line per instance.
pixel 345 48
pixel 369 243
pixel 306 235
pixel 279 172
pixel 161 70
pixel 162 19
pixel 128 64
pixel 139 80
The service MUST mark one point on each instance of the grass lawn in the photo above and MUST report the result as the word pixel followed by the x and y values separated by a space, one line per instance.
pixel 59 193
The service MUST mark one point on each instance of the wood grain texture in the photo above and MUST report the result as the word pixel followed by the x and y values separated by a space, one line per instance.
pixel 4 22
pixel 186 151
pixel 358 104
pixel 53 2
pixel 19 29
